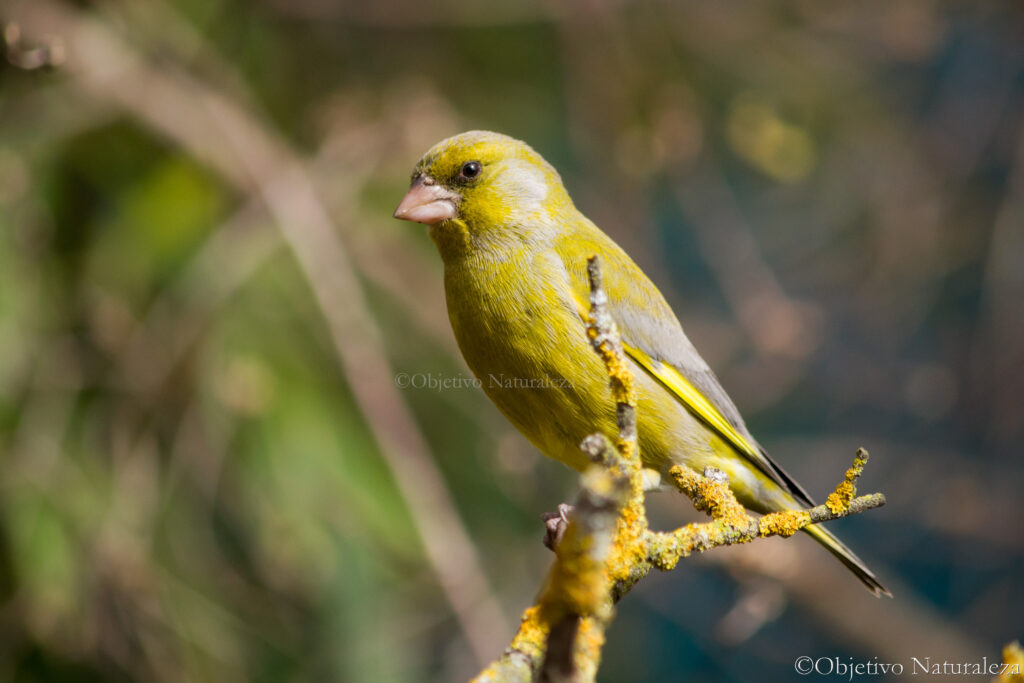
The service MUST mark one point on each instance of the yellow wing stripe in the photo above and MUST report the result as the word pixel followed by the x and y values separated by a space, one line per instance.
pixel 693 400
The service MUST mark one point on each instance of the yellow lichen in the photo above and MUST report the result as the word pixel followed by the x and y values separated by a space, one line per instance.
pixel 619 373
pixel 628 548
pixel 784 523
pixel 577 583
pixel 587 654
pixel 711 496
pixel 533 631
pixel 839 500
pixel 666 550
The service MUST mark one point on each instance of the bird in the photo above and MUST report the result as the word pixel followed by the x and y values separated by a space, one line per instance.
pixel 514 249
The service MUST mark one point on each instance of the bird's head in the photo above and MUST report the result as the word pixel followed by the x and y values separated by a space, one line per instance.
pixel 483 184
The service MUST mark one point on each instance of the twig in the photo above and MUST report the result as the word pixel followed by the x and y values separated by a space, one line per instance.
pixel 732 524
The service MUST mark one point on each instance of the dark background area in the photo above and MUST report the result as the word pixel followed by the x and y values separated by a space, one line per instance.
pixel 207 468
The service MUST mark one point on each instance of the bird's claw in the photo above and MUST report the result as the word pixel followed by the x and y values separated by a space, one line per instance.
pixel 556 523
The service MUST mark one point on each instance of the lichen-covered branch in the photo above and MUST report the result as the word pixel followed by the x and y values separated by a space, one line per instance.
pixel 607 546
pixel 731 524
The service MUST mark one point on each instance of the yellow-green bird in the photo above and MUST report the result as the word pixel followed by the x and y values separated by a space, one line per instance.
pixel 515 252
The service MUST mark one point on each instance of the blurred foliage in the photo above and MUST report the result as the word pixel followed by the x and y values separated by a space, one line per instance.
pixel 830 194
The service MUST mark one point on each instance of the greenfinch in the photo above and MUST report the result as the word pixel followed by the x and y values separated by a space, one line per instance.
pixel 515 251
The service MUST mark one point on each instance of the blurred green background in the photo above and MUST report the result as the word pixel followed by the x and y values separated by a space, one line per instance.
pixel 208 471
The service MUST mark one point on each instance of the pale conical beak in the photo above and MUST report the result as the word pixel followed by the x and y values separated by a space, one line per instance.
pixel 426 202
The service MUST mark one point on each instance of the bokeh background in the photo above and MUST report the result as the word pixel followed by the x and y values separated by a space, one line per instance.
pixel 208 471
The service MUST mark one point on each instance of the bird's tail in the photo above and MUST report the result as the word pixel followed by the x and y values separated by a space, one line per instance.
pixel 847 557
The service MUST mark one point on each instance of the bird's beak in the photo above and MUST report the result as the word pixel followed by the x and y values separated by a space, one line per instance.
pixel 426 202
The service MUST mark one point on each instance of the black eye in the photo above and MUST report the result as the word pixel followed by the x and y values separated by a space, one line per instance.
pixel 470 170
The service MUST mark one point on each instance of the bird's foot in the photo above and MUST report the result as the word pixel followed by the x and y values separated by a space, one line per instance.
pixel 556 523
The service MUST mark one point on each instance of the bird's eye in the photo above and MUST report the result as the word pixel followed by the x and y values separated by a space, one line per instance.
pixel 470 170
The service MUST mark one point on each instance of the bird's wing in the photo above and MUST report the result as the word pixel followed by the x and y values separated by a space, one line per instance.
pixel 654 339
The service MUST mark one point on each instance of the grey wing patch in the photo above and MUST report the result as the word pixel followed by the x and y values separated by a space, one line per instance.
pixel 663 339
